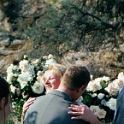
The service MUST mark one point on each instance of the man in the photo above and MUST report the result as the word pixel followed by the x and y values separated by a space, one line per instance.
pixel 119 113
pixel 53 107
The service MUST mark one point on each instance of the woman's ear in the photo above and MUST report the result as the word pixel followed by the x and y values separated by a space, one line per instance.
pixel 2 103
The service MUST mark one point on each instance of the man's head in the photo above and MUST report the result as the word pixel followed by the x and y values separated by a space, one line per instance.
pixel 75 80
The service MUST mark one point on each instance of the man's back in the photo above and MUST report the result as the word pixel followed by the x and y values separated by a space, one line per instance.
pixel 119 114
pixel 51 109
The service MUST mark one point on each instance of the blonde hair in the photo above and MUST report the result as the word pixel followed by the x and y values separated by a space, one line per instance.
pixel 57 68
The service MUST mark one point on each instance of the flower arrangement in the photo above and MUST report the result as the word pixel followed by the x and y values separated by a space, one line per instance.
pixel 25 79
pixel 101 96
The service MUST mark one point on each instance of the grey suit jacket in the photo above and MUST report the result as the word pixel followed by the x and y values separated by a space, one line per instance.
pixel 51 109
pixel 119 113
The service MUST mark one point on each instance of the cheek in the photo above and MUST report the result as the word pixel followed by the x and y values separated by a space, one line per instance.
pixel 55 84
pixel 7 110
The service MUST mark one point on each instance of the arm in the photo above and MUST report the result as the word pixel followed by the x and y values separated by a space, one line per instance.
pixel 26 105
pixel 84 113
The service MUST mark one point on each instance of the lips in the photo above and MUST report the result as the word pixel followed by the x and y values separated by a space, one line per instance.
pixel 48 86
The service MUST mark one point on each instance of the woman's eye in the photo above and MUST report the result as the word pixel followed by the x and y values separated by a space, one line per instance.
pixel 52 78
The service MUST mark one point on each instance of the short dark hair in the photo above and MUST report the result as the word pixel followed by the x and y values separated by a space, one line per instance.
pixel 75 76
pixel 4 89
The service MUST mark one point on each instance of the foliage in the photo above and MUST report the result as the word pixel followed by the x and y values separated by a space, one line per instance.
pixel 70 22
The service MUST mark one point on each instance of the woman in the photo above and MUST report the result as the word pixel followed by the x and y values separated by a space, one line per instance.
pixel 52 78
pixel 5 102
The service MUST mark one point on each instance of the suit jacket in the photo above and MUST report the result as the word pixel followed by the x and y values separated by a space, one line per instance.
pixel 51 109
pixel 119 113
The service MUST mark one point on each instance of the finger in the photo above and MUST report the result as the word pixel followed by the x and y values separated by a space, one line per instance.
pixel 72 109
pixel 84 106
pixel 31 99
pixel 77 109
pixel 72 105
pixel 25 109
pixel 77 117
pixel 74 113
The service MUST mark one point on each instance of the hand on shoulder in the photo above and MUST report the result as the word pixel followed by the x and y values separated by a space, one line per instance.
pixel 26 105
pixel 84 113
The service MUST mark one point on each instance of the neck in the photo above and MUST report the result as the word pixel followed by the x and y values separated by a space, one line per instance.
pixel 1 117
pixel 69 92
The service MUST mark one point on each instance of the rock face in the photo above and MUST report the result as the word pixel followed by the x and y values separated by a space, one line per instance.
pixel 103 59
pixel 103 62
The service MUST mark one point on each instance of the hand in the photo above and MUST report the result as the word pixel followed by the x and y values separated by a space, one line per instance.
pixel 27 104
pixel 84 113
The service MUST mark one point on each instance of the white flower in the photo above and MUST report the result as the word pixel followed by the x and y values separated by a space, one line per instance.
pixel 50 61
pixel 23 84
pixel 111 103
pixel 13 89
pixel 25 56
pixel 36 62
pixel 18 91
pixel 94 95
pixel 94 109
pixel 11 68
pixel 45 57
pixel 101 96
pixel 103 102
pixel 39 73
pixel 50 56
pixel 91 76
pixel 9 77
pixel 101 113
pixel 118 84
pixel 25 77
pixel 121 76
pixel 38 87
pixel 106 78
pixel 111 89
pixel 93 86
pixel 24 96
pixel 23 65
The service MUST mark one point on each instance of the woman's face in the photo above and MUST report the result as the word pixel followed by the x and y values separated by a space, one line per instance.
pixel 52 80
pixel 8 108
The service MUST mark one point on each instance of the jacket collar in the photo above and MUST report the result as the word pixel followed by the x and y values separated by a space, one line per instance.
pixel 60 94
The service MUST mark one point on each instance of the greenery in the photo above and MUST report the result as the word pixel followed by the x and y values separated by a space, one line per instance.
pixel 66 23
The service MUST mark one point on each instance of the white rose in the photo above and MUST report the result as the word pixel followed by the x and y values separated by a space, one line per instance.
pixel 101 96
pixel 101 113
pixel 9 77
pixel 111 103
pixel 38 87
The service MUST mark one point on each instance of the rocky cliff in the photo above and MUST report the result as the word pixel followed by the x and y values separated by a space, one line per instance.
pixel 101 51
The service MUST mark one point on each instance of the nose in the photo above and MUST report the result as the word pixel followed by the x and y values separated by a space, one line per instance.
pixel 47 81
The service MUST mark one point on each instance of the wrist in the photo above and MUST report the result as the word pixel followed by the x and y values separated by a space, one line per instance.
pixel 95 120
